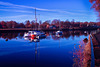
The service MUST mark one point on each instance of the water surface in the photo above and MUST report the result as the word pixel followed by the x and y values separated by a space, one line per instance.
pixel 51 51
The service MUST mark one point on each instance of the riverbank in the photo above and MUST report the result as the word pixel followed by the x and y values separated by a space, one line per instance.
pixel 27 29
pixel 96 47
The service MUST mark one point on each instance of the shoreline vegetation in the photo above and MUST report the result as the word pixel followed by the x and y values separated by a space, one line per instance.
pixel 48 25
pixel 82 55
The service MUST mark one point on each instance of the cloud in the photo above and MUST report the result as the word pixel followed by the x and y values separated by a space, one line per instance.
pixel 40 9
pixel 18 16
pixel 10 4
pixel 16 10
pixel 22 6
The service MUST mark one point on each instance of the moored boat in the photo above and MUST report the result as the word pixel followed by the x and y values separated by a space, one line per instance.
pixel 36 34
pixel 59 33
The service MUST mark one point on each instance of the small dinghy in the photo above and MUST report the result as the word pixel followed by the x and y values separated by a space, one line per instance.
pixel 59 33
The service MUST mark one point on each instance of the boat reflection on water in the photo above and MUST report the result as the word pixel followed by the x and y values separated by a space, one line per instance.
pixel 37 46
pixel 58 36
pixel 35 41
pixel 32 39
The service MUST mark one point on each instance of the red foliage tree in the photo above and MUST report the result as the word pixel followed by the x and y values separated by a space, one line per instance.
pixel 28 25
pixel 21 25
pixel 32 24
pixel 98 24
pixel 45 24
pixel 55 22
pixel 67 24
pixel 96 6
pixel 12 24
pixel 3 23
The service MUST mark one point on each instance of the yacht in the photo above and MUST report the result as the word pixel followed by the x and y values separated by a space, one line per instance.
pixel 35 34
pixel 59 32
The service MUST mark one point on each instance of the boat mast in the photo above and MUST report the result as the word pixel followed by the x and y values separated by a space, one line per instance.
pixel 59 25
pixel 39 23
pixel 35 20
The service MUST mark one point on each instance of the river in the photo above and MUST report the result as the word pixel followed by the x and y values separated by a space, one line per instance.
pixel 52 51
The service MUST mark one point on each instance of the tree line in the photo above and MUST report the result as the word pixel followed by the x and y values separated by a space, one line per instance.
pixel 47 24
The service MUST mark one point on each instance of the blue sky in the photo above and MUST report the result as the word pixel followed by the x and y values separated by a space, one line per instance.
pixel 22 10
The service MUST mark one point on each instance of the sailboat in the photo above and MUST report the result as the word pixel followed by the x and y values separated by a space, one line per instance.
pixel 59 33
pixel 36 33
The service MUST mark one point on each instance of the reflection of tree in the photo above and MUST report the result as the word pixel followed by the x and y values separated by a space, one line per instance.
pixel 82 55
pixel 11 35
pixel 21 35
pixel 0 35
pixel 47 33
pixel 67 34
pixel 55 37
